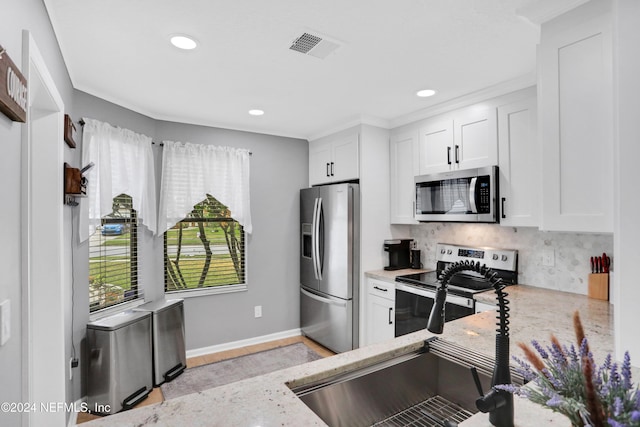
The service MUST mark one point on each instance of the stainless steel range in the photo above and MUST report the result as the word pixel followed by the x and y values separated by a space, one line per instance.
pixel 415 293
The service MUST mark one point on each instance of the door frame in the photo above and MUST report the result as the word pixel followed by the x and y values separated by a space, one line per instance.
pixel 44 268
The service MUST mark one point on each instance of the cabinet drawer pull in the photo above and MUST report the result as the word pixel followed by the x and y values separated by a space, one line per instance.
pixel 380 289
pixel 328 169
pixel 390 311
pixel 331 168
pixel 457 154
pixel 448 155
pixel 502 208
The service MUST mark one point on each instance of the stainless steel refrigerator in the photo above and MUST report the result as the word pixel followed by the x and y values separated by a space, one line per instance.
pixel 329 265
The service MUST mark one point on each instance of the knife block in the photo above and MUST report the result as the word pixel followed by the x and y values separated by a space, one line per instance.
pixel 599 286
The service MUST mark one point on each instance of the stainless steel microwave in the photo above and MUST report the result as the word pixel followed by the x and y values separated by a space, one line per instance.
pixel 469 195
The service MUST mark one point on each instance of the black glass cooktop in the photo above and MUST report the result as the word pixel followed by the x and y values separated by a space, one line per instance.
pixel 464 282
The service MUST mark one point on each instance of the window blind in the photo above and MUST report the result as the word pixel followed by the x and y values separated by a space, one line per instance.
pixel 205 249
pixel 113 257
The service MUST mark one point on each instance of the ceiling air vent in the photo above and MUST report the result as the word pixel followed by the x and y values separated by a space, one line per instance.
pixel 314 45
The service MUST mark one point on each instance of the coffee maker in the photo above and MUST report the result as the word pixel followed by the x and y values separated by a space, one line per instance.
pixel 399 253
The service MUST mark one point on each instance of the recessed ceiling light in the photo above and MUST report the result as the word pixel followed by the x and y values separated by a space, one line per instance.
pixel 425 93
pixel 183 42
pixel 256 112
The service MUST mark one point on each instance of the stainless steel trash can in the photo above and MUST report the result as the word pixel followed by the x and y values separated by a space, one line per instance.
pixel 120 359
pixel 167 325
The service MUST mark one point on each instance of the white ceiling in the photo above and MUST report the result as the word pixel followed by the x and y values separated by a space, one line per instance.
pixel 119 50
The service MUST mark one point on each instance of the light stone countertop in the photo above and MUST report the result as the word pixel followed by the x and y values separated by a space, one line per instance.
pixel 267 400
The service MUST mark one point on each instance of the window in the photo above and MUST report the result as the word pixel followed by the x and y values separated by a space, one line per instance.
pixel 204 250
pixel 113 260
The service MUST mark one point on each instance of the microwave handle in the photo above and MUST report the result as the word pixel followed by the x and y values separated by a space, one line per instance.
pixel 472 194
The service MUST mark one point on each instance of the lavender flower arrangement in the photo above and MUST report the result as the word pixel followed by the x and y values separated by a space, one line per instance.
pixel 565 379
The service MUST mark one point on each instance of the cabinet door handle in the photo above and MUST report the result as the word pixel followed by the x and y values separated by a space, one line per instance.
pixel 448 155
pixel 380 289
pixel 331 168
pixel 502 208
pixel 328 169
pixel 390 311
pixel 457 154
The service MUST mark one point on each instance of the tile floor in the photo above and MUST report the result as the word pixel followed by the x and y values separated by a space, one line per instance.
pixel 156 394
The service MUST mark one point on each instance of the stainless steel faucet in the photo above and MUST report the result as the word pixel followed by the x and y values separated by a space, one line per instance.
pixel 498 403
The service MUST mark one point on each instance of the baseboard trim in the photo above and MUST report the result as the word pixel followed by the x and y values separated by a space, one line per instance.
pixel 243 343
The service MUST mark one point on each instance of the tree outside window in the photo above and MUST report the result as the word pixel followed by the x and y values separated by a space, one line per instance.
pixel 206 249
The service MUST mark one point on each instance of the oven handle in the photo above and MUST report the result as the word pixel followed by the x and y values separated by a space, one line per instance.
pixel 452 299
pixel 415 291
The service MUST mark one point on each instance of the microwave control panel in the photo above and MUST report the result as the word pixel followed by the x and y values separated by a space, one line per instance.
pixel 484 194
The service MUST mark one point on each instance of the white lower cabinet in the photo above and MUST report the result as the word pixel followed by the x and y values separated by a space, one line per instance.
pixel 380 311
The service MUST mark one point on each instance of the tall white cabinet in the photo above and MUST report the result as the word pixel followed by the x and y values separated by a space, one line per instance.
pixel 576 120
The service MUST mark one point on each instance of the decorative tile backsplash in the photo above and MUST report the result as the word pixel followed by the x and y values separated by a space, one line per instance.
pixel 571 250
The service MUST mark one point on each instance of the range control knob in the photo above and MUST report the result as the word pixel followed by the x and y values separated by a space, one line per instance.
pixel 504 258
pixel 449 251
pixel 442 251
pixel 495 257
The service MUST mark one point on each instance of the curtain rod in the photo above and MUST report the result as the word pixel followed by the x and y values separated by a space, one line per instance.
pixel 81 123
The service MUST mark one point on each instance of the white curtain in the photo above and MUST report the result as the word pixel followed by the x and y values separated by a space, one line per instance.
pixel 191 171
pixel 123 165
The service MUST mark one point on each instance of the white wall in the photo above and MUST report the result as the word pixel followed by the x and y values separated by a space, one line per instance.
pixel 627 197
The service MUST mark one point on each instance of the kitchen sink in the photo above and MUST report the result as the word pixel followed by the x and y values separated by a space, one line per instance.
pixel 423 388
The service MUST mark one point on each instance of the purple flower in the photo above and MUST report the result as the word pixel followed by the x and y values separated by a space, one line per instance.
pixel 555 401
pixel 614 423
pixel 539 349
pixel 618 408
pixel 626 371
pixel 635 416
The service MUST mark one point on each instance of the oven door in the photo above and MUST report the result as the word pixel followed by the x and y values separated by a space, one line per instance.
pixel 413 306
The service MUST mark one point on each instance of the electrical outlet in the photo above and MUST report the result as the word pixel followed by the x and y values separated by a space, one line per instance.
pixel 5 321
pixel 548 257
pixel 257 311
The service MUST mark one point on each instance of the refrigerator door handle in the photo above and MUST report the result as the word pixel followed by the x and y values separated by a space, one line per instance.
pixel 324 300
pixel 315 238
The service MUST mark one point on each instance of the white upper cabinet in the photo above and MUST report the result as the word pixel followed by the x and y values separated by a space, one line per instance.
pixel 403 167
pixel 519 163
pixel 464 139
pixel 435 145
pixel 333 159
pixel 576 126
